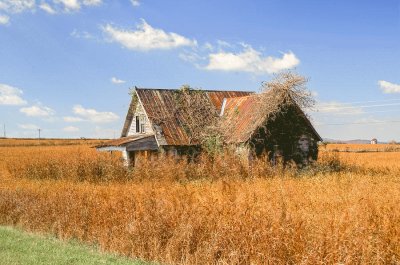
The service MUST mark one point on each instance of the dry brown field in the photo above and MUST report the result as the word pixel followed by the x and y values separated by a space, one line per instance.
pixel 362 147
pixel 344 210
pixel 8 142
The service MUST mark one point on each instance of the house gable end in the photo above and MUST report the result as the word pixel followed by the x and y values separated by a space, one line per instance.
pixel 129 115
pixel 140 123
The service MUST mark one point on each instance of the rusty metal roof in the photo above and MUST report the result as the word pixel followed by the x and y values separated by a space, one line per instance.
pixel 158 104
pixel 242 117
pixel 124 140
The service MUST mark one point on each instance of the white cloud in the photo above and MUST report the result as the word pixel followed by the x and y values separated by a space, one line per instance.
pixel 115 80
pixel 388 87
pixel 28 126
pixel 222 43
pixel 135 2
pixel 250 60
pixel 10 95
pixel 69 5
pixel 71 129
pixel 191 57
pixel 16 6
pixel 339 108
pixel 208 46
pixel 37 111
pixel 4 20
pixel 46 7
pixel 72 119
pixel 49 6
pixel 146 38
pixel 92 2
pixel 81 34
pixel 94 115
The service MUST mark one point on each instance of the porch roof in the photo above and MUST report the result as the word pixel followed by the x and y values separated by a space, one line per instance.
pixel 123 141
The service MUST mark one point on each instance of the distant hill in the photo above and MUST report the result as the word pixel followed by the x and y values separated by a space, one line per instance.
pixel 356 141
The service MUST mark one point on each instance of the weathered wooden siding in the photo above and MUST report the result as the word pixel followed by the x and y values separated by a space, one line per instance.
pixel 139 111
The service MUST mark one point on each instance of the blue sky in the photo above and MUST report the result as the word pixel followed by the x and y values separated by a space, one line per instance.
pixel 66 66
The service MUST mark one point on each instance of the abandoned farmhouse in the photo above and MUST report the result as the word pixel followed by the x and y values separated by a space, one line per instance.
pixel 181 122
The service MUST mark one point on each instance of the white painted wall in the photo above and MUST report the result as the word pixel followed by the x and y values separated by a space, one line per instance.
pixel 147 126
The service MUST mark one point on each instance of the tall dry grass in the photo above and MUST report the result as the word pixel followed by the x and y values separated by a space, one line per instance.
pixel 224 213
pixel 74 163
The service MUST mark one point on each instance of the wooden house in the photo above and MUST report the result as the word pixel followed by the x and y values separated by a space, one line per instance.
pixel 155 126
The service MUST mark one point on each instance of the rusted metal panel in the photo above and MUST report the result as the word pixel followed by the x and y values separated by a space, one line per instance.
pixel 217 97
pixel 241 118
pixel 159 104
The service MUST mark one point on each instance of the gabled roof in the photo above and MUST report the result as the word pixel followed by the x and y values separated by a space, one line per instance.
pixel 242 117
pixel 158 104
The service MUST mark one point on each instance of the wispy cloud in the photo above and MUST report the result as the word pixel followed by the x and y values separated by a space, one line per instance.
pixel 51 6
pixel 81 34
pixel 72 119
pixel 70 5
pixel 46 7
pixel 145 38
pixel 17 6
pixel 37 110
pixel 388 87
pixel 11 96
pixel 135 2
pixel 117 81
pixel 70 129
pixel 4 20
pixel 75 5
pixel 224 44
pixel 337 108
pixel 28 126
pixel 92 2
pixel 94 115
pixel 251 60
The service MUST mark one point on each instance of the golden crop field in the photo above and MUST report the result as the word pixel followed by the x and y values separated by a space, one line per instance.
pixel 344 210
pixel 8 142
pixel 362 147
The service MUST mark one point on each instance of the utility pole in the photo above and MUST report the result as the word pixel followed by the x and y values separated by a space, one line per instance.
pixel 5 131
pixel 39 132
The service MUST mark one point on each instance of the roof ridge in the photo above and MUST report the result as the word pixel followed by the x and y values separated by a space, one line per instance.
pixel 205 90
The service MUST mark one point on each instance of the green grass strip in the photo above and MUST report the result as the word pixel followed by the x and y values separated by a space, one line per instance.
pixel 17 247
